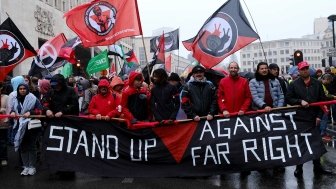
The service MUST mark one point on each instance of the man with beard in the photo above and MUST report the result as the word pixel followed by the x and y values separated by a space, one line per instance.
pixel 303 91
pixel 266 93
pixel 198 96
pixel 164 101
pixel 233 93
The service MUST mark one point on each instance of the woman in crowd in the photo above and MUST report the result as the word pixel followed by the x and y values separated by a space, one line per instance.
pixel 26 104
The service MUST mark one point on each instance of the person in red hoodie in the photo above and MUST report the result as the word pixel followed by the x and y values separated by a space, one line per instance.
pixel 135 99
pixel 103 105
pixel 117 86
pixel 233 93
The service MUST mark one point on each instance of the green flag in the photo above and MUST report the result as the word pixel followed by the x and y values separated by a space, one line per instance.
pixel 67 70
pixel 98 63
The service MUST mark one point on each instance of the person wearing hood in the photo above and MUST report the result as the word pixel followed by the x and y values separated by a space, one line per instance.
pixel 63 99
pixel 198 96
pixel 88 94
pixel 135 99
pixel 103 104
pixel 15 82
pixel 266 92
pixel 164 97
pixel 26 104
pixel 117 86
pixel 4 125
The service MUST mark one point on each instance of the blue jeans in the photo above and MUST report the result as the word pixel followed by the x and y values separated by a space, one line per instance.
pixel 324 124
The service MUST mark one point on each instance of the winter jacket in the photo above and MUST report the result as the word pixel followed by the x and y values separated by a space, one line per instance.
pixel 234 95
pixel 65 100
pixel 198 98
pixel 165 101
pixel 103 105
pixel 298 91
pixel 116 81
pixel 257 89
pixel 135 101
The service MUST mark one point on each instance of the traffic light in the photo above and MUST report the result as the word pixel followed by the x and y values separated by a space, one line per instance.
pixel 298 57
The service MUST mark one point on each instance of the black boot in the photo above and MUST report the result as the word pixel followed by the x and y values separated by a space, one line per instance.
pixel 298 171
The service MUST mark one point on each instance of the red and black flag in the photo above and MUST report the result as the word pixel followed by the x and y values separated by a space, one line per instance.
pixel 159 56
pixel 168 63
pixel 171 41
pixel 67 51
pixel 103 22
pixel 14 47
pixel 225 32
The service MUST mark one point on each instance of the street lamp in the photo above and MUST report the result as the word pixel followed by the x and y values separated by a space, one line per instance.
pixel 332 19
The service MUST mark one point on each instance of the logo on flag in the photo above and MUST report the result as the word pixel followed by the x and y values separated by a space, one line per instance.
pixel 48 53
pixel 224 33
pixel 219 35
pixel 171 41
pixel 11 48
pixel 101 17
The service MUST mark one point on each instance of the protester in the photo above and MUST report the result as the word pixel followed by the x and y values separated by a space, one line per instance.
pixel 15 82
pixel 303 91
pixel 32 87
pixel 164 97
pixel 237 100
pixel 26 104
pixel 332 90
pixel 199 96
pixel 326 79
pixel 88 94
pixel 4 125
pixel 274 74
pixel 318 74
pixel 266 93
pixel 175 80
pixel 135 99
pixel 117 86
pixel 103 104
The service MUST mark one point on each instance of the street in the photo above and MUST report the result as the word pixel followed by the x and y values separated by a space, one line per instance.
pixel 10 178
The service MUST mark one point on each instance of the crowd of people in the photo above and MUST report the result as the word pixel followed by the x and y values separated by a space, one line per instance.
pixel 165 99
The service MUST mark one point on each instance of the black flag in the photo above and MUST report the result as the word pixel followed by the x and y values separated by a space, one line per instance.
pixel 171 41
pixel 225 32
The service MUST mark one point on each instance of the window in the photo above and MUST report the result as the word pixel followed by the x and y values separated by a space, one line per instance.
pixel 282 51
pixel 244 55
pixel 287 51
pixel 274 53
pixel 282 60
pixel 255 54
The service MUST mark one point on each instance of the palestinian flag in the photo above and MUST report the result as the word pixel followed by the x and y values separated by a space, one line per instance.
pixel 14 47
pixel 225 32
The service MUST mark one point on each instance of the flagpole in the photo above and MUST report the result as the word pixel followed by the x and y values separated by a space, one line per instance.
pixel 178 53
pixel 143 43
pixel 44 68
pixel 262 47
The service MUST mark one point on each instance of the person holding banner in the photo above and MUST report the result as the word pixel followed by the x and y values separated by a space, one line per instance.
pixel 103 105
pixel 198 96
pixel 165 101
pixel 266 92
pixel 135 99
pixel 24 105
pixel 237 100
pixel 302 91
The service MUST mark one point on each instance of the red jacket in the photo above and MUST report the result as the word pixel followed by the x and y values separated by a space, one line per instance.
pixel 234 95
pixel 103 105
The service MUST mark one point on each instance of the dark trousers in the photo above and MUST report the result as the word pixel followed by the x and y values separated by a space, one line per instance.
pixel 3 144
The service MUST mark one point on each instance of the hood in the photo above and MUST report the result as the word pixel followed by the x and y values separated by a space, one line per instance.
pixel 59 79
pixel 85 83
pixel 103 83
pixel 44 86
pixel 116 81
pixel 132 77
pixel 16 81
pixel 17 89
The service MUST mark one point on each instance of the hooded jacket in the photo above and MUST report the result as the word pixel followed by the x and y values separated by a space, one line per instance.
pixel 135 101
pixel 103 105
pixel 65 100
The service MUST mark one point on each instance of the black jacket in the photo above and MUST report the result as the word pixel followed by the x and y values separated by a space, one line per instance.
pixel 199 98
pixel 165 102
pixel 298 91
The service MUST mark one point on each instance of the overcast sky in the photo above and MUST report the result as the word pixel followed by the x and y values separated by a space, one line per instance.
pixel 274 19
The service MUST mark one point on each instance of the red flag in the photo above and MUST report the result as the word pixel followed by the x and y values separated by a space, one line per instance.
pixel 168 63
pixel 100 23
pixel 224 33
pixel 67 50
pixel 14 47
pixel 48 53
pixel 132 58
pixel 160 53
